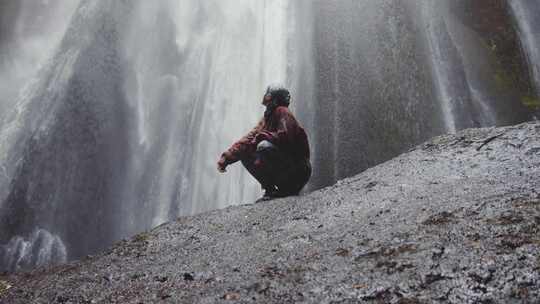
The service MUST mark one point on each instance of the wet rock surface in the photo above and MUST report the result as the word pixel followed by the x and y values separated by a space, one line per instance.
pixel 455 220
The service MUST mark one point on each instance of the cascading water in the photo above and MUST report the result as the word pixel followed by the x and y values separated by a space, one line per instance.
pixel 121 127
pixel 40 249
pixel 450 80
pixel 27 41
pixel 526 13
pixel 189 87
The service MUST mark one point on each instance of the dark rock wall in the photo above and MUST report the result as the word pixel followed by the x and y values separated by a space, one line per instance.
pixel 384 69
pixel 373 88
pixel 498 35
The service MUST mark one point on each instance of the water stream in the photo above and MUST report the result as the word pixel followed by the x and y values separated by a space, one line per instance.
pixel 526 13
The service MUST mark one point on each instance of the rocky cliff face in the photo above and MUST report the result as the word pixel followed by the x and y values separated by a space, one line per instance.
pixel 453 221
pixel 495 26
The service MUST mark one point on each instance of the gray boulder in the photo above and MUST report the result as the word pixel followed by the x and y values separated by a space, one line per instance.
pixel 455 220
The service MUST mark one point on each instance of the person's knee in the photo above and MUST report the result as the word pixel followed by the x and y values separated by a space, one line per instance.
pixel 265 146
pixel 249 164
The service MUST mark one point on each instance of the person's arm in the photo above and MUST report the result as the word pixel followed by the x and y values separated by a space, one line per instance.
pixel 240 149
pixel 287 125
pixel 289 134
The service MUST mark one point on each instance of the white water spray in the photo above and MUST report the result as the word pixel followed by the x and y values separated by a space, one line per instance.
pixel 441 65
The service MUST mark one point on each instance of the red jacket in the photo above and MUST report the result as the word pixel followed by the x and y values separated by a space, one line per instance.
pixel 281 129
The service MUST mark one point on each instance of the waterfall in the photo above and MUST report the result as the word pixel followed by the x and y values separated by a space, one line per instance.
pixel 441 61
pixel 196 88
pixel 526 13
pixel 41 249
pixel 28 42
pixel 122 127
pixel 114 113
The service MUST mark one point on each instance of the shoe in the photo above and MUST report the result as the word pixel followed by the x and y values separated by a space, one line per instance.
pixel 269 194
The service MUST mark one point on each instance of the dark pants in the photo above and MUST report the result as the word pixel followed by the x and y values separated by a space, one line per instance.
pixel 275 169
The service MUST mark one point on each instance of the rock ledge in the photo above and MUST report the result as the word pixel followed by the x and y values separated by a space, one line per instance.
pixel 453 221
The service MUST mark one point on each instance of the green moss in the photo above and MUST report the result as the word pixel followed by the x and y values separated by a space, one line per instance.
pixel 502 80
pixel 504 76
pixel 508 68
pixel 531 101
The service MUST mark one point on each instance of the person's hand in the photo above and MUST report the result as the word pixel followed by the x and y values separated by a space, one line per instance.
pixel 261 136
pixel 222 165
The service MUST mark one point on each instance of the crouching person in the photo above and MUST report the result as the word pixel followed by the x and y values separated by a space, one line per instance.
pixel 276 152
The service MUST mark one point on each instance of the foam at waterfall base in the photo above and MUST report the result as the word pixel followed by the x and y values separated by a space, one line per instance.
pixel 41 248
